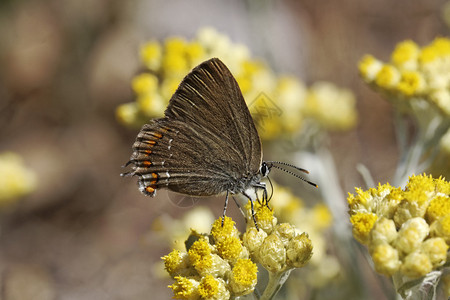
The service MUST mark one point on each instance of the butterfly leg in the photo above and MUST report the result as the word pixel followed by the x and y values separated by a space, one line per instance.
pixel 225 208
pixel 253 210
pixel 265 198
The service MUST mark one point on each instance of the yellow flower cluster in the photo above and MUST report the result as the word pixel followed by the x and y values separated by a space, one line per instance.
pixel 223 264
pixel 277 247
pixel 407 231
pixel 217 266
pixel 16 179
pixel 413 73
pixel 279 104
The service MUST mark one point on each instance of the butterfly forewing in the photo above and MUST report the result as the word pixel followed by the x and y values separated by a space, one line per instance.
pixel 206 141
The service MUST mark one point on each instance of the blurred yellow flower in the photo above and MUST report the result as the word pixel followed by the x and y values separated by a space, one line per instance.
pixel 332 107
pixel 405 55
pixel 151 54
pixel 414 74
pixel 278 103
pixel 16 179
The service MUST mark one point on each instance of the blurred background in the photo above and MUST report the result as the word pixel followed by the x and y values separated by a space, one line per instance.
pixel 86 233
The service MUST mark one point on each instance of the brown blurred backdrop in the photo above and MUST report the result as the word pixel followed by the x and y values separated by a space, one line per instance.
pixel 86 233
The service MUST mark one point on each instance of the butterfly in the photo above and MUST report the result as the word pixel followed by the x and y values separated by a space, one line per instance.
pixel 206 144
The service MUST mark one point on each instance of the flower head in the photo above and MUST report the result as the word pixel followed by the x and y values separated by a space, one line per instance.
pixel 413 75
pixel 407 230
pixel 223 264
pixel 243 277
pixel 213 267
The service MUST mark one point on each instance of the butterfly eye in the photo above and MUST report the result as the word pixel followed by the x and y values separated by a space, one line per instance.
pixel 264 170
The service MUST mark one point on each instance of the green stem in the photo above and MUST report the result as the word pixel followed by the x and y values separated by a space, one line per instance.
pixel 276 281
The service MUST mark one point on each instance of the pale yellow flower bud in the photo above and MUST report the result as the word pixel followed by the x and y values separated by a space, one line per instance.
pixel 441 228
pixel 253 239
pixel 407 210
pixel 411 235
pixel 383 231
pixel 436 250
pixel 272 254
pixel 299 251
pixel 285 231
pixel 385 259
pixel 416 264
pixel 369 67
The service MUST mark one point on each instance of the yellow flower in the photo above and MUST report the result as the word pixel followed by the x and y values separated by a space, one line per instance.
pixel 388 77
pixel 322 216
pixel 127 113
pixel 411 83
pixel 195 53
pixel 16 179
pixel 264 217
pixel 439 48
pixel 228 229
pixel 405 55
pixel 176 263
pixel 439 207
pixel 229 248
pixel 243 277
pixel 211 288
pixel 151 104
pixel 362 225
pixel 331 107
pixel 144 83
pixel 200 255
pixel 175 65
pixel 151 54
pixel 369 67
pixel 185 288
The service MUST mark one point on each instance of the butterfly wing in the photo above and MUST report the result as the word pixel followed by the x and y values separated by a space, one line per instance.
pixel 207 142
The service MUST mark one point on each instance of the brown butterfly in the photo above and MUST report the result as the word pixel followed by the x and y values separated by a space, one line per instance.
pixel 206 144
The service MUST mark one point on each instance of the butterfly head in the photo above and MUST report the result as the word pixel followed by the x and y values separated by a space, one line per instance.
pixel 264 170
pixel 266 166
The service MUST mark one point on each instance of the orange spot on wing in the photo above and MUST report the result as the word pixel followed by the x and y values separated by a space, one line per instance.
pixel 155 176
